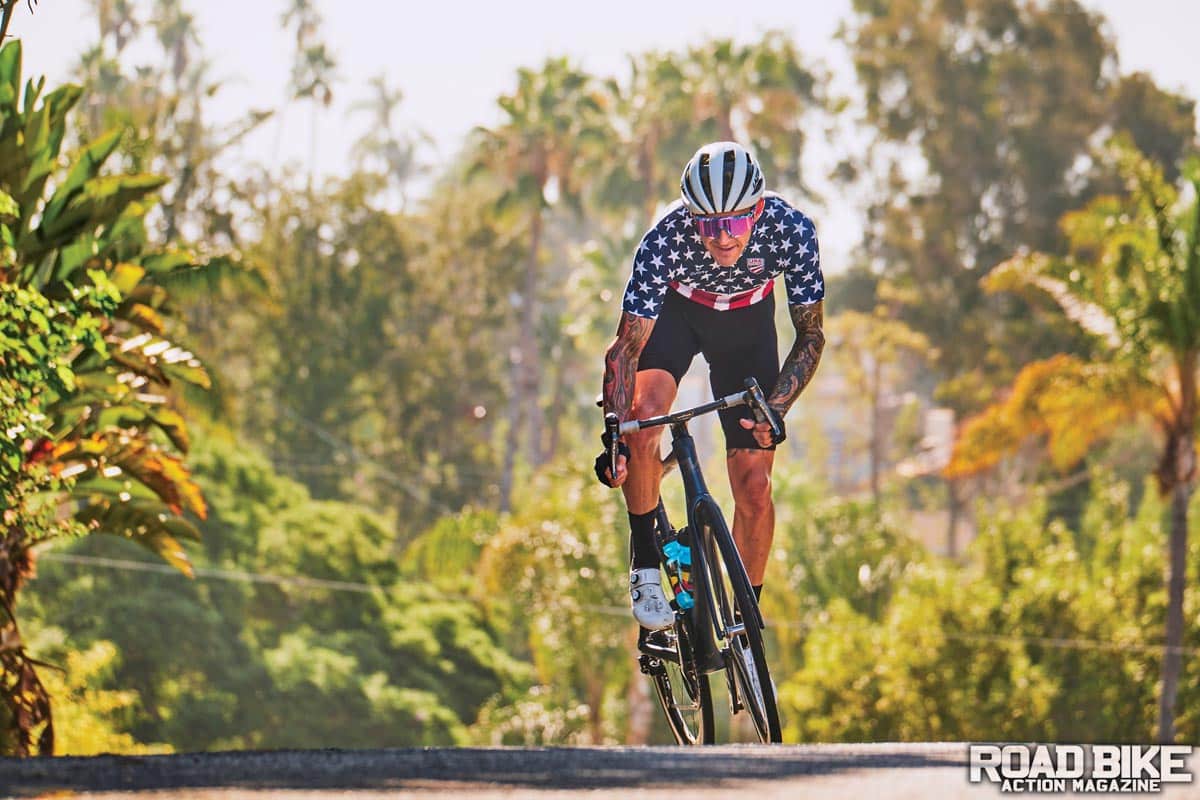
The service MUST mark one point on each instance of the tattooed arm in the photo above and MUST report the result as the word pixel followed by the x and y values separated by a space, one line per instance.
pixel 801 362
pixel 620 363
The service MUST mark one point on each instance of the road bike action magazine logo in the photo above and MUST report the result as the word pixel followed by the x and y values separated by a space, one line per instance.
pixel 1079 768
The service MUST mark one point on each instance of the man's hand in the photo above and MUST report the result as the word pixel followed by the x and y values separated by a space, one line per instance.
pixel 604 466
pixel 761 430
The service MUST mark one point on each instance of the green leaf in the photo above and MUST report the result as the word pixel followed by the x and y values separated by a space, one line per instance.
pixel 9 210
pixel 85 168
pixel 125 277
pixel 10 69
pixel 66 376
pixel 147 522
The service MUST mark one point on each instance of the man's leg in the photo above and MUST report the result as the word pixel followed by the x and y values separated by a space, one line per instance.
pixel 753 508
pixel 743 343
pixel 653 394
pixel 654 391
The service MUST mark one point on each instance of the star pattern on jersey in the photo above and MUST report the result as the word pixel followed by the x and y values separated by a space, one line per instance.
pixel 784 240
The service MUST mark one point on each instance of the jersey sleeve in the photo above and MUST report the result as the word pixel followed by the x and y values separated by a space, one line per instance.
pixel 802 275
pixel 648 284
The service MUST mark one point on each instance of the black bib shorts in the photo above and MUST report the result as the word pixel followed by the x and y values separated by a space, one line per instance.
pixel 737 344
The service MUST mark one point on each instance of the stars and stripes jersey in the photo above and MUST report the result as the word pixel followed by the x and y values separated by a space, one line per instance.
pixel 671 257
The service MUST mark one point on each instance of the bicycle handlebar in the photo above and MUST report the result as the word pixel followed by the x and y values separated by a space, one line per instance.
pixel 752 396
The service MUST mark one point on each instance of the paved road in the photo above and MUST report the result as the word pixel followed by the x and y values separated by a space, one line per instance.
pixel 900 771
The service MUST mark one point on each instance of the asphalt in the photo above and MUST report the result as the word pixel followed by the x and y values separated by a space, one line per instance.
pixel 899 771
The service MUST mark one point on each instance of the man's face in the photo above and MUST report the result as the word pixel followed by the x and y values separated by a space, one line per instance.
pixel 725 247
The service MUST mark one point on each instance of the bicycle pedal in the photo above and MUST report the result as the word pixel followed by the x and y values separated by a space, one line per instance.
pixel 656 644
pixel 650 665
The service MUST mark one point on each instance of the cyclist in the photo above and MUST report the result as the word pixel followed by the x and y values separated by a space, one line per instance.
pixel 702 282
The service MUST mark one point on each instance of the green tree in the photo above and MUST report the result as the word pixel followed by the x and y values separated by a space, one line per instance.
pixel 108 421
pixel 314 68
pixel 383 149
pixel 550 577
pixel 159 104
pixel 300 630
pixel 553 120
pixel 876 352
pixel 91 720
pixel 38 338
pixel 1047 635
pixel 1131 278
pixel 999 99
pixel 652 110
pixel 365 374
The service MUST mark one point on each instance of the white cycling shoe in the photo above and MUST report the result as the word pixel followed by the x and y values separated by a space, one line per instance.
pixel 650 607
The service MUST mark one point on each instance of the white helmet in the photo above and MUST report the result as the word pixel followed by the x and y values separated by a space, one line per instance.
pixel 721 177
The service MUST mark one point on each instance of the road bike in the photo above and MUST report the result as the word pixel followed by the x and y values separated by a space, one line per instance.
pixel 718 626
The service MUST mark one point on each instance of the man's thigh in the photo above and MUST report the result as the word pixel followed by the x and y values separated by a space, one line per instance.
pixel 674 341
pixel 742 346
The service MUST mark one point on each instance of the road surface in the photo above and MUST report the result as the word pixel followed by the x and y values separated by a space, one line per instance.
pixel 817 772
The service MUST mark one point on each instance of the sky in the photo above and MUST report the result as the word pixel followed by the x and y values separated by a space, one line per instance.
pixel 452 59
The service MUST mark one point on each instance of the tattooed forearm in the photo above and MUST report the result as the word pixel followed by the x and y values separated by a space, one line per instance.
pixel 620 363
pixel 801 363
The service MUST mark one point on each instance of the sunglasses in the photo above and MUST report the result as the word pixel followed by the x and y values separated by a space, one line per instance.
pixel 711 227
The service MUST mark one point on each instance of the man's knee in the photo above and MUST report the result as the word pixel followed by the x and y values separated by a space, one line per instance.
pixel 653 397
pixel 644 444
pixel 751 486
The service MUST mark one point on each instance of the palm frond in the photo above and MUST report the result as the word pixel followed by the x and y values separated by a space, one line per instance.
pixel 1031 271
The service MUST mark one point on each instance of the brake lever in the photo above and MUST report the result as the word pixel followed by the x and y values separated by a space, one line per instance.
pixel 763 412
pixel 612 426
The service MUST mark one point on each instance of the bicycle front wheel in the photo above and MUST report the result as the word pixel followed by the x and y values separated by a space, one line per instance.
pixel 737 622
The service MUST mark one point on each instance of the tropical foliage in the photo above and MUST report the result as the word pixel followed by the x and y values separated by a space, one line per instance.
pixel 104 418
pixel 1131 278
pixel 371 453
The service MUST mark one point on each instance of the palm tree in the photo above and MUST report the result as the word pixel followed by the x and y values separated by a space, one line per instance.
pixel 759 94
pixel 314 69
pixel 553 121
pixel 1132 279
pixel 653 112
pixel 393 151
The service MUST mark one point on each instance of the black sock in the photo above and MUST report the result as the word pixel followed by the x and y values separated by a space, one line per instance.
pixel 642 550
pixel 757 591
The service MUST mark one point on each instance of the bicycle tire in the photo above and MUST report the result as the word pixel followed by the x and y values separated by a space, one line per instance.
pixel 735 605
pixel 683 692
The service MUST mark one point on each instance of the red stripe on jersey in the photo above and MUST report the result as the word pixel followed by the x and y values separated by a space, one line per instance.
pixel 723 302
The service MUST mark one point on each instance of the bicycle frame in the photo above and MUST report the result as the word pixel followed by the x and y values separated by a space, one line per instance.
pixel 696 492
pixel 683 455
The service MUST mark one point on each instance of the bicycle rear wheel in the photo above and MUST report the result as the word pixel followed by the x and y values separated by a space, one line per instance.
pixel 683 691
pixel 738 622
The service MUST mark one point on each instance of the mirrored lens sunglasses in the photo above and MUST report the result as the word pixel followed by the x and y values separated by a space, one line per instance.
pixel 711 227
